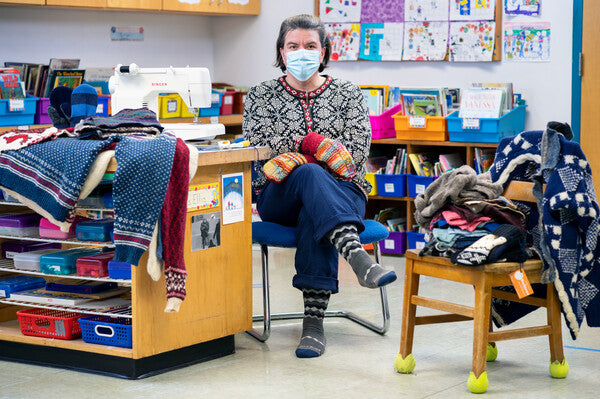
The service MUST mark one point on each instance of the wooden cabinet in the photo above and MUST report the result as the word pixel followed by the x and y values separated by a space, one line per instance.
pixel 135 4
pixel 466 150
pixel 33 2
pixel 225 7
pixel 75 3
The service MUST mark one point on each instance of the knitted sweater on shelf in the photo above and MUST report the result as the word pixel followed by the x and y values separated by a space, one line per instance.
pixel 50 174
pixel 569 222
pixel 140 184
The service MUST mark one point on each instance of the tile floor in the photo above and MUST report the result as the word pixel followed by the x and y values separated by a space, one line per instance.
pixel 357 364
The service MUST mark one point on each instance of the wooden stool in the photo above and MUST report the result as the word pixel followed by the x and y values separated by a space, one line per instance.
pixel 483 278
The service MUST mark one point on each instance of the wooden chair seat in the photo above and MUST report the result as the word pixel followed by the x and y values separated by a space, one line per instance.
pixel 483 278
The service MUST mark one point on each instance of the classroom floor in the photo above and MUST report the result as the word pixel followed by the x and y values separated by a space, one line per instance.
pixel 357 363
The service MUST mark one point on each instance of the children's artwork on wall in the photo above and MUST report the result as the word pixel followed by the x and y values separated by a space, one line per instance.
pixel 381 41
pixel 425 41
pixel 203 196
pixel 382 11
pixel 527 41
pixel 426 10
pixel 471 41
pixel 340 10
pixel 345 41
pixel 233 198
pixel 522 7
pixel 472 10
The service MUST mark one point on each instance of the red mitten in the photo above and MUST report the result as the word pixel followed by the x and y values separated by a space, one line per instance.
pixel 280 167
pixel 331 152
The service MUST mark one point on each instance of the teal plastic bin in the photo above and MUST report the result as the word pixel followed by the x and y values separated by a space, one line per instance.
pixel 17 118
pixel 486 130
pixel 215 107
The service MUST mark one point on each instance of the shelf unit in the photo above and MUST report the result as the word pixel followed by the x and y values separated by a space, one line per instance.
pixel 416 146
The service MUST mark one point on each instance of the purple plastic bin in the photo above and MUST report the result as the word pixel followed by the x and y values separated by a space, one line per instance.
pixel 41 112
pixel 382 126
pixel 394 244
pixel 10 248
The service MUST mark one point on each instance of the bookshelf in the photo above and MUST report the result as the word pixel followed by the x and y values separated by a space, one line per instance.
pixel 466 150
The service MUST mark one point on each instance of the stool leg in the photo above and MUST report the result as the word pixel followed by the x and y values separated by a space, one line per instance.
pixel 478 381
pixel 262 337
pixel 405 362
pixel 559 368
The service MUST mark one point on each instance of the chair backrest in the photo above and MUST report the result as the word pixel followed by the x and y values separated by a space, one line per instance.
pixel 519 191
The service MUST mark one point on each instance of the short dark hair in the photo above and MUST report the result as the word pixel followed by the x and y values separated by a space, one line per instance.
pixel 302 21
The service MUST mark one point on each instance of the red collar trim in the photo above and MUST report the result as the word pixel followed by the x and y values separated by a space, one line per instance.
pixel 305 94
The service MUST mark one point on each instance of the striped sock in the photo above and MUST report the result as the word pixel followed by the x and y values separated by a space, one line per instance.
pixel 312 343
pixel 370 274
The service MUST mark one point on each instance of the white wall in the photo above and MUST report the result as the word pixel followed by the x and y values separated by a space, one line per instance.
pixel 244 54
pixel 39 33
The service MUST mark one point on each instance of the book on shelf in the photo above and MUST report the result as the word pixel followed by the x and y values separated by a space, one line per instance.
pixel 98 77
pixel 42 296
pixel 450 161
pixel 507 87
pixel 396 224
pixel 481 103
pixel 375 164
pixel 66 77
pixel 421 105
pixel 441 94
pixel 375 97
pixel 484 158
pixel 10 86
pixel 58 63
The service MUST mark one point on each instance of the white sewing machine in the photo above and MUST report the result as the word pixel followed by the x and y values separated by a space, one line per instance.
pixel 135 87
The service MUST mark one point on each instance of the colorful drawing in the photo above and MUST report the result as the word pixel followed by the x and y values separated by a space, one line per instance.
pixel 233 198
pixel 426 10
pixel 522 7
pixel 425 41
pixel 203 196
pixel 527 41
pixel 339 10
pixel 382 11
pixel 472 41
pixel 381 41
pixel 345 41
pixel 470 10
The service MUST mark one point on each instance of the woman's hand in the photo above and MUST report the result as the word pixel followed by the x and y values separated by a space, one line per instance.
pixel 331 152
pixel 280 167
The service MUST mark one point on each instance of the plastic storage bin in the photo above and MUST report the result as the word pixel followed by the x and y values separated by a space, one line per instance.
pixel 169 106
pixel 41 112
pixel 418 184
pixel 486 130
pixel 21 224
pixel 415 240
pixel 13 284
pixel 95 265
pixel 106 330
pixel 394 244
pixel 215 105
pixel 86 289
pixel 227 103
pixel 31 260
pixel 239 98
pixel 103 108
pixel 119 270
pixel 49 323
pixel 370 177
pixel 391 185
pixel 50 230
pixel 427 128
pixel 64 262
pixel 12 248
pixel 382 126
pixel 94 230
pixel 15 118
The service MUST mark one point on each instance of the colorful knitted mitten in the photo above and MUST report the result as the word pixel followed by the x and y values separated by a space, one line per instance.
pixel 280 167
pixel 331 152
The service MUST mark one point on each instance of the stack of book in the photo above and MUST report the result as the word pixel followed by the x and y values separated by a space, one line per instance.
pixel 11 86
pixel 433 101
pixel 484 158
pixel 486 100
pixel 434 164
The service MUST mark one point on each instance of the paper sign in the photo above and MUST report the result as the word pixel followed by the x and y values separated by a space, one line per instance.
pixel 16 104
pixel 389 187
pixel 470 123
pixel 203 196
pixel 417 121
pixel 521 283
pixel 233 198
pixel 389 244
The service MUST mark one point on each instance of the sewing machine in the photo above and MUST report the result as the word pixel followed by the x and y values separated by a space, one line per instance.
pixel 135 87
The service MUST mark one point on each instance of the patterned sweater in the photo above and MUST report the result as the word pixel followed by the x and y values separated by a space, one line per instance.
pixel 568 225
pixel 277 116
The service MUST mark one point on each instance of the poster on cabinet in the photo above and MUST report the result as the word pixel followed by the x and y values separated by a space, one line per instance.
pixel 233 198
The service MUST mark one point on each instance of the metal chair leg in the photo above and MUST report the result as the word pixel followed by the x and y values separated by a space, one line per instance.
pixel 380 329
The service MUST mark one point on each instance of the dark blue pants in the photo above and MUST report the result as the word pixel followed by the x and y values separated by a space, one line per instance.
pixel 313 201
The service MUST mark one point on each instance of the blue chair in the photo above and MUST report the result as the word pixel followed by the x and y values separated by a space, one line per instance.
pixel 272 234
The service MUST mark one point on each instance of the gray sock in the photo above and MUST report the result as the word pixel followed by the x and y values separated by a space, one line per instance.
pixel 312 343
pixel 370 274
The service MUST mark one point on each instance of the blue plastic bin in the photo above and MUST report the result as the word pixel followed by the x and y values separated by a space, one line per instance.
pixel 418 184
pixel 103 105
pixel 95 230
pixel 119 270
pixel 490 130
pixel 394 244
pixel 13 284
pixel 415 240
pixel 16 118
pixel 215 105
pixel 391 185
pixel 64 262
pixel 106 330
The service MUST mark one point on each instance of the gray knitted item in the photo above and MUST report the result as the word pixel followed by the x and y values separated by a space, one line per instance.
pixel 463 182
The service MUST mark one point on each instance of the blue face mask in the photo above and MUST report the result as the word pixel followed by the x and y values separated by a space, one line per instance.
pixel 302 64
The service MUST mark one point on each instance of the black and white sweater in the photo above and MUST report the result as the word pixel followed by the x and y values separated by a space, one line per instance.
pixel 277 116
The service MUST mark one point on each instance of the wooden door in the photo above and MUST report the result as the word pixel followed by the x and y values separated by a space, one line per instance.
pixel 590 87
pixel 224 7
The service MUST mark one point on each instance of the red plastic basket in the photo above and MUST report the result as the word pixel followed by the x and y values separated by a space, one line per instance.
pixel 49 323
